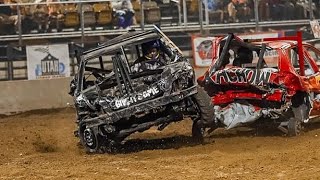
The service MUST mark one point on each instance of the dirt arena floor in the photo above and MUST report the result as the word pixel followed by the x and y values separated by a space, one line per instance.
pixel 41 145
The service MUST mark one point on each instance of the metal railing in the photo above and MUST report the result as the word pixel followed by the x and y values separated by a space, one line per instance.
pixel 186 20
pixel 13 61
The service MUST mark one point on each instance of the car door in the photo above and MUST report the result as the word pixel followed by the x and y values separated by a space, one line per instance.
pixel 313 52
pixel 312 73
pixel 310 79
pixel 312 76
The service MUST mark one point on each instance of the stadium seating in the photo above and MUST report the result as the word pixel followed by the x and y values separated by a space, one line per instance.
pixel 103 13
pixel 137 10
pixel 89 16
pixel 41 17
pixel 152 12
pixel 71 16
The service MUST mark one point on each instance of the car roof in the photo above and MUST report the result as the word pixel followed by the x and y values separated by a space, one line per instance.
pixel 278 44
pixel 129 38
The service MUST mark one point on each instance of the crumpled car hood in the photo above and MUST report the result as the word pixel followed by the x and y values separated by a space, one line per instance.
pixel 231 83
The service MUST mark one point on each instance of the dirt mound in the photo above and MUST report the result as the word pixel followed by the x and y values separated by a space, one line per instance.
pixel 42 145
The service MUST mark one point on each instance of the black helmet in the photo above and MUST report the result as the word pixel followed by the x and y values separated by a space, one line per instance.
pixel 149 47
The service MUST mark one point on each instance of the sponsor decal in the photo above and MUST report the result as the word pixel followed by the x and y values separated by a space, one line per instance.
pixel 242 76
pixel 140 96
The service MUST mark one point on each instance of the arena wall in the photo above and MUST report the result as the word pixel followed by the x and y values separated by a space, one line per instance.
pixel 25 95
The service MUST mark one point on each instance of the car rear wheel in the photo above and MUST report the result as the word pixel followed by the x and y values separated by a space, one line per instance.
pixel 205 112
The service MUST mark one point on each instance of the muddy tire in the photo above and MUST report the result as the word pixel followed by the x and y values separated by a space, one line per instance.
pixel 90 139
pixel 198 132
pixel 205 109
pixel 294 126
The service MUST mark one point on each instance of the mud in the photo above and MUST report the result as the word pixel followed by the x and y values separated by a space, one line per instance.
pixel 41 145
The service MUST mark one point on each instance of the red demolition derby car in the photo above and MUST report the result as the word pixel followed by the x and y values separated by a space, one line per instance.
pixel 272 82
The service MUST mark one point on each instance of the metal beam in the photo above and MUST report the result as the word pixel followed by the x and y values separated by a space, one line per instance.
pixel 185 19
pixel 190 28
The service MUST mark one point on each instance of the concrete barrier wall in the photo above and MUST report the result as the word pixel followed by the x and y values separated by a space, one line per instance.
pixel 26 95
pixel 19 96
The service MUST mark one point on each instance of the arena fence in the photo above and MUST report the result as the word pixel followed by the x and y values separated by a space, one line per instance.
pixel 178 24
pixel 13 57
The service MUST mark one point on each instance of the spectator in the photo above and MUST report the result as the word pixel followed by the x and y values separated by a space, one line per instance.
pixel 124 14
pixel 232 10
pixel 306 7
pixel 276 9
pixel 41 17
pixel 117 5
pixel 317 6
pixel 56 16
pixel 244 11
pixel 7 16
pixel 299 10
pixel 288 9
pixel 215 10
pixel 264 11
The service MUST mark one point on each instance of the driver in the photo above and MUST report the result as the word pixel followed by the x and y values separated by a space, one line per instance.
pixel 152 57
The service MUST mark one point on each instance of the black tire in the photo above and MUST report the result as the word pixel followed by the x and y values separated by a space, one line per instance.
pixel 90 139
pixel 294 126
pixel 198 132
pixel 205 109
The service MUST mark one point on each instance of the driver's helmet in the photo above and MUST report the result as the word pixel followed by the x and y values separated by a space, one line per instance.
pixel 151 50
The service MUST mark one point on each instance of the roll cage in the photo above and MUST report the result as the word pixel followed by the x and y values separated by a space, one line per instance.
pixel 120 63
pixel 232 40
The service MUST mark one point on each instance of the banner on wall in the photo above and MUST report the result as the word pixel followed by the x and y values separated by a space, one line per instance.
pixel 48 61
pixel 315 28
pixel 202 48
pixel 260 35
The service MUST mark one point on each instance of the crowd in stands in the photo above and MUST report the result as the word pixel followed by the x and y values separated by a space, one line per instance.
pixel 46 16
pixel 287 9
pixel 230 11
pixel 49 15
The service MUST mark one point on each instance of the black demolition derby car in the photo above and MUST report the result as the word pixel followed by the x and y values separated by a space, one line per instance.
pixel 117 94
